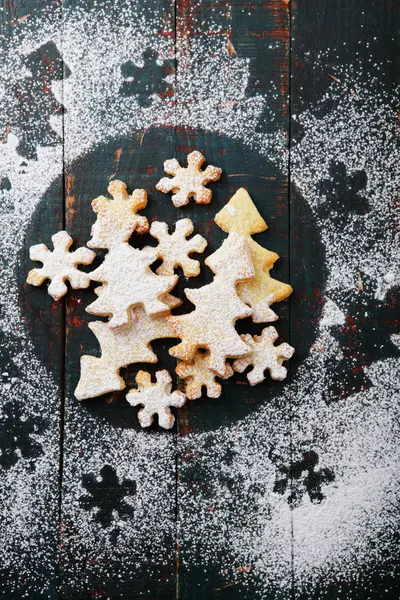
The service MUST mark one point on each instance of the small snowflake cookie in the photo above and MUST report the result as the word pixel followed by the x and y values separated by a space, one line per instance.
pixel 190 182
pixel 156 399
pixel 117 218
pixel 264 355
pixel 198 375
pixel 60 265
pixel 174 248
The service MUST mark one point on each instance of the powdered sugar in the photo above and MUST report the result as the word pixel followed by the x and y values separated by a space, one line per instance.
pixel 361 132
pixel 239 512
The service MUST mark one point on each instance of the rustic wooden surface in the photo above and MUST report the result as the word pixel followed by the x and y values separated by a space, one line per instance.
pixel 59 329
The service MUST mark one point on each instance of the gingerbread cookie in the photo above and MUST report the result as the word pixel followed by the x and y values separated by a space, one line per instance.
pixel 190 182
pixel 60 265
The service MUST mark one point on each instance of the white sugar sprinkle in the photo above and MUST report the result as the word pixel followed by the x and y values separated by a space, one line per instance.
pixel 356 438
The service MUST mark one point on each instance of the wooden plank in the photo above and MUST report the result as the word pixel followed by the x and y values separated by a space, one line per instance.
pixel 31 354
pixel 340 51
pixel 221 535
pixel 118 509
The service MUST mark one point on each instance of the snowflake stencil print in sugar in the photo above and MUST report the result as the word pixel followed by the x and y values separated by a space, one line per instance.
pixel 144 82
pixel 5 197
pixel 302 477
pixel 342 194
pixel 5 184
pixel 106 494
pixel 10 349
pixel 364 337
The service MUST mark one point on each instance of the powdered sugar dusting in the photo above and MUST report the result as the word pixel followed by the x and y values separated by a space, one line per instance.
pixel 355 438
pixel 361 133
pixel 246 514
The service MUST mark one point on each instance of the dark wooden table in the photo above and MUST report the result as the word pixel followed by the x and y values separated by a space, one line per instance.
pixel 285 490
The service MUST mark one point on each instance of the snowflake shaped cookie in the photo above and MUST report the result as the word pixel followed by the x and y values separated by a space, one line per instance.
pixel 198 375
pixel 174 248
pixel 117 218
pixel 264 355
pixel 60 265
pixel 190 182
pixel 156 399
pixel 128 281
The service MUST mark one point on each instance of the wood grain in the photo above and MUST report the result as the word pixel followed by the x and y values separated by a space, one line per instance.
pixel 88 569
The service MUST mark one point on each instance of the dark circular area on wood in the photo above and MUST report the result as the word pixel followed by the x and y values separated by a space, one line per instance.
pixel 138 161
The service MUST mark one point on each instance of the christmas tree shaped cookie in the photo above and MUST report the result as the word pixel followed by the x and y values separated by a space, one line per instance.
pixel 211 326
pixel 127 282
pixel 240 216
pixel 119 348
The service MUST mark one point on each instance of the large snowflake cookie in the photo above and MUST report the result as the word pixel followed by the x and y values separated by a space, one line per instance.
pixel 127 282
pixel 156 399
pixel 198 375
pixel 174 248
pixel 211 326
pixel 264 355
pixel 241 216
pixel 117 218
pixel 60 265
pixel 190 182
